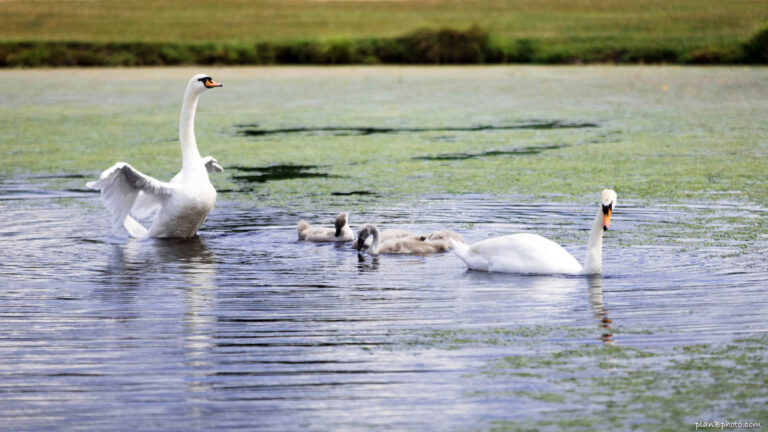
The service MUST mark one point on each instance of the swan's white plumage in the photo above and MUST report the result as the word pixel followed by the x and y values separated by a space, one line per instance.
pixel 147 204
pixel 518 253
pixel 181 204
pixel 120 186
pixel 534 254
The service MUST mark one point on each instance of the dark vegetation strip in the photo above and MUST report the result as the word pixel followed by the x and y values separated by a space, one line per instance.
pixel 277 172
pixel 446 46
pixel 491 153
pixel 252 130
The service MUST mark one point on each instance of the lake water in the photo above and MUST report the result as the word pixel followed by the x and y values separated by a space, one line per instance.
pixel 245 328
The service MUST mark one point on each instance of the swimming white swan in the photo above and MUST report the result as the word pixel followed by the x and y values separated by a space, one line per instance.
pixel 340 233
pixel 404 242
pixel 534 254
pixel 184 202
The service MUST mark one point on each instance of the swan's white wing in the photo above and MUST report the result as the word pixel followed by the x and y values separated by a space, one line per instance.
pixel 146 204
pixel 211 165
pixel 120 185
pixel 134 228
pixel 519 253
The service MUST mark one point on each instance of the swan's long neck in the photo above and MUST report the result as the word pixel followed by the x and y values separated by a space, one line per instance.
pixel 594 261
pixel 190 155
pixel 375 243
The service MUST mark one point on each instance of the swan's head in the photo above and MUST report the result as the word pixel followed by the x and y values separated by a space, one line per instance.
pixel 202 82
pixel 608 202
pixel 363 234
pixel 341 222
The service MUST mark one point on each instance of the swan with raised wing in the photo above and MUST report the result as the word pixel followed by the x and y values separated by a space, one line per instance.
pixel 181 204
pixel 533 254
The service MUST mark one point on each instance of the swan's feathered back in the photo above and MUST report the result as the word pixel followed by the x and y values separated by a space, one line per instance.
pixel 518 253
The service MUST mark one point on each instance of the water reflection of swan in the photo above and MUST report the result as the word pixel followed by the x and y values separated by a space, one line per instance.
pixel 601 313
pixel 364 266
pixel 139 262
pixel 533 254
pixel 549 290
pixel 198 267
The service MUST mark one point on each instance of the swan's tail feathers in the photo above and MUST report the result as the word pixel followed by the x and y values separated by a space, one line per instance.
pixel 461 249
pixel 303 229
pixel 460 245
pixel 134 228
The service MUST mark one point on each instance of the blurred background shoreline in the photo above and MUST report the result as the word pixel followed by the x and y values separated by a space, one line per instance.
pixel 144 33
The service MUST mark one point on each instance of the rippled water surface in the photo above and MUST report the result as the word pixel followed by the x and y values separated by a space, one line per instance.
pixel 246 328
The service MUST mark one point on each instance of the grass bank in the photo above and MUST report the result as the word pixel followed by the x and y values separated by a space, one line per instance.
pixel 230 32
pixel 593 22
pixel 425 46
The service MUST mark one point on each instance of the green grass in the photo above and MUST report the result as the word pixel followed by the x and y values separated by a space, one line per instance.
pixel 310 31
pixel 700 22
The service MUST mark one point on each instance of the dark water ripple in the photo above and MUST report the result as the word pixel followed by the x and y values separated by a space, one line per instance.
pixel 246 328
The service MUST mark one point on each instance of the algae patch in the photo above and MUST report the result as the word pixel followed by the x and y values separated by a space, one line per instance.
pixel 490 153
pixel 253 129
pixel 673 388
pixel 277 172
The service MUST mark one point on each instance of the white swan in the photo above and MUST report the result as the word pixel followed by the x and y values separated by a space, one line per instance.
pixel 404 242
pixel 534 254
pixel 184 202
pixel 340 233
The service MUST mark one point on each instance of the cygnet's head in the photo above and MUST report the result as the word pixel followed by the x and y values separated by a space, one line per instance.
pixel 341 222
pixel 202 82
pixel 363 234
pixel 608 201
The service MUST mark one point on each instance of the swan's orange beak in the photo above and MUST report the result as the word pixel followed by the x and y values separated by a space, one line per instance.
pixel 211 83
pixel 606 219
